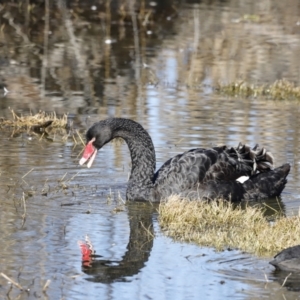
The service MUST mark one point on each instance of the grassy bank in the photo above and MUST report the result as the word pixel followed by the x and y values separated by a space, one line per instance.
pixel 221 225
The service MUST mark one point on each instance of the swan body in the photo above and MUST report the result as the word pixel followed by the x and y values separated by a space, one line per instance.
pixel 198 173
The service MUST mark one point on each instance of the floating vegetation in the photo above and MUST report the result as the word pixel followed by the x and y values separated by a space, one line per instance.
pixel 38 121
pixel 222 225
pixel 279 90
pixel 44 124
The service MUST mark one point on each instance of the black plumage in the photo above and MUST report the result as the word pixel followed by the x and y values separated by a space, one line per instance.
pixel 198 173
pixel 288 259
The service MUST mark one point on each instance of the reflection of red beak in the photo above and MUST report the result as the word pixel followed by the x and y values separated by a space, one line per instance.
pixel 87 251
pixel 89 153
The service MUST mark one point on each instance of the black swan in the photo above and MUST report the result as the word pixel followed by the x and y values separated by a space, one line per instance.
pixel 288 259
pixel 198 173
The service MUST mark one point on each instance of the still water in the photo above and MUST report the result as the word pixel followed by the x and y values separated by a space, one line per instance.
pixel 164 77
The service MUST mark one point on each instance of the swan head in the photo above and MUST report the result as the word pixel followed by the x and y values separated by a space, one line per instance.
pixel 97 136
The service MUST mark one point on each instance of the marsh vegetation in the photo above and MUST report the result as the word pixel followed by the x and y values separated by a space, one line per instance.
pixel 279 90
pixel 222 225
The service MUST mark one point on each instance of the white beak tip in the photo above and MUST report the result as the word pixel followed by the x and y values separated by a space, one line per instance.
pixel 82 161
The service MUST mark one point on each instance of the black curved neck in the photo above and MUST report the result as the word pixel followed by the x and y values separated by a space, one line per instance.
pixel 143 158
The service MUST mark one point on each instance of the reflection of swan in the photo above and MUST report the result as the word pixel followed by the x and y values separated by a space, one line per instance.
pixel 287 264
pixel 200 172
pixel 287 279
pixel 138 249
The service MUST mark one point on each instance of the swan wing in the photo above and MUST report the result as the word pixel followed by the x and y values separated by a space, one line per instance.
pixel 199 166
pixel 184 171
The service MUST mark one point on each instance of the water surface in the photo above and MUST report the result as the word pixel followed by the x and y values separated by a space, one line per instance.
pixel 48 202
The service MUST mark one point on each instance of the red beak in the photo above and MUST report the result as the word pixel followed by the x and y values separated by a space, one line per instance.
pixel 89 153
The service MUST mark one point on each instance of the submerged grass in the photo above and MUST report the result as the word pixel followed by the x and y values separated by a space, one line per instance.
pixel 222 225
pixel 279 90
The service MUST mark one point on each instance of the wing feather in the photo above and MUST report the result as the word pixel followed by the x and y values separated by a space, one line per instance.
pixel 198 166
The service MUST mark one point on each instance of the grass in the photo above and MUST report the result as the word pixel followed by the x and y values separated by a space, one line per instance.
pixel 279 90
pixel 39 120
pixel 45 125
pixel 222 225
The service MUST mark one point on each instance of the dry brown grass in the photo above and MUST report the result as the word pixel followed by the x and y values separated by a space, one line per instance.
pixel 221 225
pixel 45 125
pixel 279 90
pixel 39 120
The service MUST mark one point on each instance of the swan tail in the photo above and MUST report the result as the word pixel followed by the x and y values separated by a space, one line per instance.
pixel 260 159
pixel 266 184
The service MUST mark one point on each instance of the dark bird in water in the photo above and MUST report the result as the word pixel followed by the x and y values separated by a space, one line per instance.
pixel 202 173
pixel 288 259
